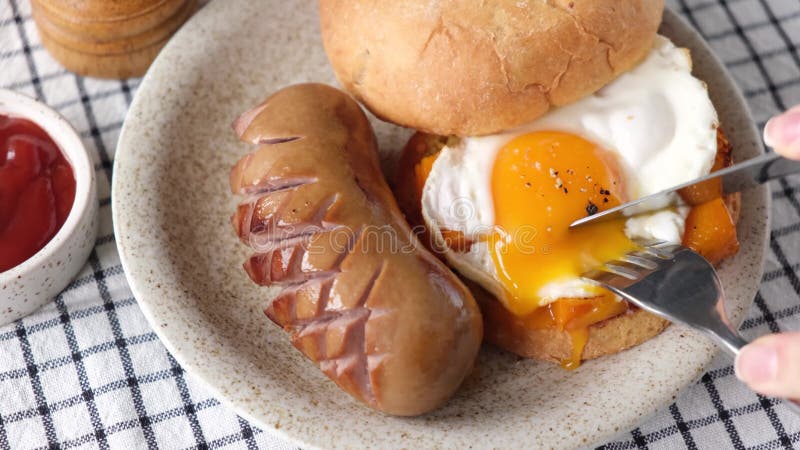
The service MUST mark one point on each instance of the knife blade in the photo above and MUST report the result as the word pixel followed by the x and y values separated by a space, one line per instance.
pixel 738 177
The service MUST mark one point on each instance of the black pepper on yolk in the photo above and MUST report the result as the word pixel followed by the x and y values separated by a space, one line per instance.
pixel 542 182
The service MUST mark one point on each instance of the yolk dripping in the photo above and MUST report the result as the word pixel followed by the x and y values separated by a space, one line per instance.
pixel 542 182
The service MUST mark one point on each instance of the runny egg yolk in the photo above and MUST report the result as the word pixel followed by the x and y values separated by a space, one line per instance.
pixel 542 182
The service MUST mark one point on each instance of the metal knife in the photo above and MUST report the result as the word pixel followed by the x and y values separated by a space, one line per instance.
pixel 738 177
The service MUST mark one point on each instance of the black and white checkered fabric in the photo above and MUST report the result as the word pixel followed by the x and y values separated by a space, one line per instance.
pixel 87 371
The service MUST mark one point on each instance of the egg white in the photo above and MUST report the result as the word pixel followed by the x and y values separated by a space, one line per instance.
pixel 657 118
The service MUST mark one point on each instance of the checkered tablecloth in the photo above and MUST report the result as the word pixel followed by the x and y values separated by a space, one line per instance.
pixel 87 370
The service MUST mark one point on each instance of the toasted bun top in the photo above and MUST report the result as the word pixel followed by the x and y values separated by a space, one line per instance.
pixel 467 67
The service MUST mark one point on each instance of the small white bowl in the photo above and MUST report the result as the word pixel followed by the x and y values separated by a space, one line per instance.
pixel 41 277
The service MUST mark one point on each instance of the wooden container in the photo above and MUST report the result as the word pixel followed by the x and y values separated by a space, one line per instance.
pixel 108 38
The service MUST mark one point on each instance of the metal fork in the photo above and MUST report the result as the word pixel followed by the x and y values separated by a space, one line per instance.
pixel 676 283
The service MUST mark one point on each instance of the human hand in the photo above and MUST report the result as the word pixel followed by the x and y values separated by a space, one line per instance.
pixel 782 133
pixel 771 365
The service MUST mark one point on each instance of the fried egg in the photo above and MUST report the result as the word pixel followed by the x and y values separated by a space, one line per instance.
pixel 503 203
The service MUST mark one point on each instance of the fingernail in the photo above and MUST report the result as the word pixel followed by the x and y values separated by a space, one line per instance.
pixel 783 131
pixel 757 364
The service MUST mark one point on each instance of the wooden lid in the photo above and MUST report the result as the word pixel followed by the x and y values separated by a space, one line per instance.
pixel 92 22
pixel 118 49
pixel 101 10
pixel 104 46
pixel 119 66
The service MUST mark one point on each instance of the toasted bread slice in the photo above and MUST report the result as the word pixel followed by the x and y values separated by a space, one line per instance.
pixel 511 333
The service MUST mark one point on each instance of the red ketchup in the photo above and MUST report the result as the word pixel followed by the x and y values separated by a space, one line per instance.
pixel 37 189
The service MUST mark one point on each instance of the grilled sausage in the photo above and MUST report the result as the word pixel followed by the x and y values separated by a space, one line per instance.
pixel 360 297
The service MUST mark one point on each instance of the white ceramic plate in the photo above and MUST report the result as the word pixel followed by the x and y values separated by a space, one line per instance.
pixel 171 204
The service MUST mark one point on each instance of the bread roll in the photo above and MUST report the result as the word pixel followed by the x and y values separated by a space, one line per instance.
pixel 461 67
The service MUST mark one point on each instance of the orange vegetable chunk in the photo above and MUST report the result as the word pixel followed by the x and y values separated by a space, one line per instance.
pixel 711 232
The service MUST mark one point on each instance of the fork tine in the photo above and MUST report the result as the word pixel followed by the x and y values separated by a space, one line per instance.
pixel 646 255
pixel 600 277
pixel 652 243
pixel 658 252
pixel 623 269
pixel 614 282
pixel 641 259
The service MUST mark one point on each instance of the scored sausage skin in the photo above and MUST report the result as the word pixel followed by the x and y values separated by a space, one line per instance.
pixel 380 315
